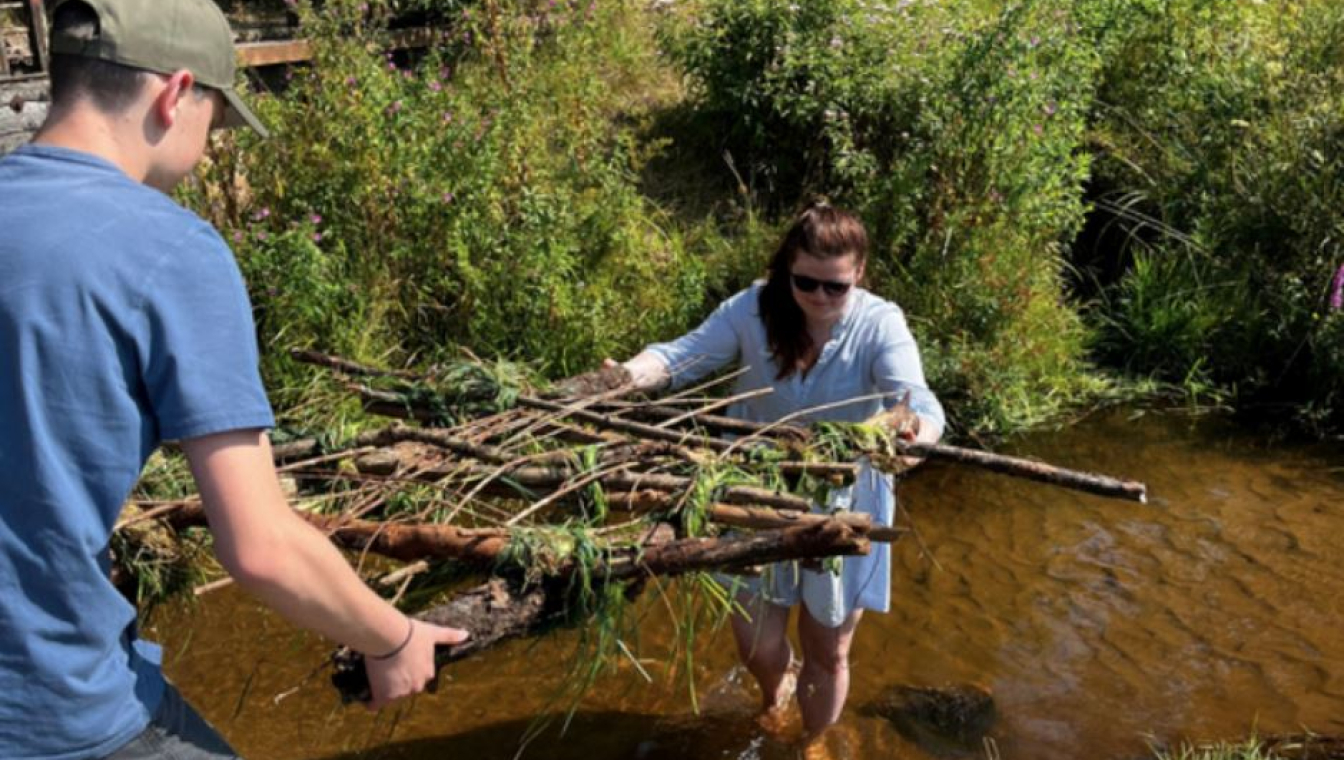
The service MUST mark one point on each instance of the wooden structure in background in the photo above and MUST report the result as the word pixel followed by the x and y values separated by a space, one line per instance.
pixel 23 39
pixel 264 32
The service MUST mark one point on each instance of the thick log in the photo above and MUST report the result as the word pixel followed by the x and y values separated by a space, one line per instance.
pixel 824 539
pixel 758 518
pixel 499 610
pixel 401 541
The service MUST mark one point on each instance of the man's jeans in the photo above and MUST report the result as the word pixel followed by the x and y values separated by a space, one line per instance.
pixel 176 733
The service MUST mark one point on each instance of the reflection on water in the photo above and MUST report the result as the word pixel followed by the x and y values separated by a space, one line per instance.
pixel 1099 625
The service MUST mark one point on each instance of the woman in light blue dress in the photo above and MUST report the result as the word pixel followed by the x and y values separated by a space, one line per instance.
pixel 815 337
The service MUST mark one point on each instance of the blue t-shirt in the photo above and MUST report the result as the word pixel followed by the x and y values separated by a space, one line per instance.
pixel 123 323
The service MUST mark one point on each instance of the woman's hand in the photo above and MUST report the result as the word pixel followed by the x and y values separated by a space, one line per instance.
pixel 906 424
pixel 610 377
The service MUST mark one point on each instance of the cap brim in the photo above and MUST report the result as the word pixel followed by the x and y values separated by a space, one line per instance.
pixel 237 114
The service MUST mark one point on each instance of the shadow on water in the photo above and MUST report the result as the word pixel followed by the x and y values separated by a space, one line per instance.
pixel 596 735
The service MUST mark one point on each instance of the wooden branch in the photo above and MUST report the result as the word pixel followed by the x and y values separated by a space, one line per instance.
pixel 649 432
pixel 714 422
pixel 544 478
pixel 1038 471
pixel 1100 485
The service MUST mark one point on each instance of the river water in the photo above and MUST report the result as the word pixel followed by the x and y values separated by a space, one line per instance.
pixel 1099 626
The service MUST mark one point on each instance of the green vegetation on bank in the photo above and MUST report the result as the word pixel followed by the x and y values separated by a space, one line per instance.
pixel 1057 190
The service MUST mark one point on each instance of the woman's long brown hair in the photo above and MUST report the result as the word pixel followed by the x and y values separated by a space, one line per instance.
pixel 821 231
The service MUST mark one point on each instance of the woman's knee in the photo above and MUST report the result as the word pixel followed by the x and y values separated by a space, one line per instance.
pixel 829 660
pixel 827 649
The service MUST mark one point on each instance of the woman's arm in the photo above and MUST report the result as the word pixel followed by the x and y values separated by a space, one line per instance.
pixel 698 353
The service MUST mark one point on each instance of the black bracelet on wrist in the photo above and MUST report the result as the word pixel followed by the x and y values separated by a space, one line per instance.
pixel 410 631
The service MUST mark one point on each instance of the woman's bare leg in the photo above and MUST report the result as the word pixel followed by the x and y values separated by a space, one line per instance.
pixel 763 645
pixel 823 683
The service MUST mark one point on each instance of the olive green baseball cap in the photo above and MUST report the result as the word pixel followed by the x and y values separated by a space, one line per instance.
pixel 165 36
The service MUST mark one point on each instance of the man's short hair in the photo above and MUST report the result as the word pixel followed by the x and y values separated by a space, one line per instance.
pixel 111 86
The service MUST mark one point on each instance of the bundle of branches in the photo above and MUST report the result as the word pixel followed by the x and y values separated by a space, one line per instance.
pixel 570 499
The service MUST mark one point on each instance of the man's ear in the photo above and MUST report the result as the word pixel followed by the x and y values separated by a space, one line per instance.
pixel 176 87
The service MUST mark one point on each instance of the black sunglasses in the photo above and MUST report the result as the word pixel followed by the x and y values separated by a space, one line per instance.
pixel 809 284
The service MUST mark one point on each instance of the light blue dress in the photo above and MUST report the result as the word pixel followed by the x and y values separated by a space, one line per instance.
pixel 871 351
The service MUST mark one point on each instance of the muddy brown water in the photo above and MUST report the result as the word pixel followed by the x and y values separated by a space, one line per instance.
pixel 1100 626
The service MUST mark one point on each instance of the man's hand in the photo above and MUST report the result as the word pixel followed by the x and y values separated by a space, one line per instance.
pixel 411 670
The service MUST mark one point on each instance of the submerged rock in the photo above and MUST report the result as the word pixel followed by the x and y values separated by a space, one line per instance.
pixel 945 721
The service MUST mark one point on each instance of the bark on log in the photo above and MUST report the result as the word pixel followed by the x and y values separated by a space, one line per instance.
pixel 493 613
pixel 401 541
pixel 757 518
pixel 502 611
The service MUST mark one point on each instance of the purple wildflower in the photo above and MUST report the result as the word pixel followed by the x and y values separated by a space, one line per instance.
pixel 1337 292
pixel 261 213
pixel 434 85
pixel 315 218
pixel 351 81
pixel 237 236
pixel 394 109
pixel 317 237
pixel 448 197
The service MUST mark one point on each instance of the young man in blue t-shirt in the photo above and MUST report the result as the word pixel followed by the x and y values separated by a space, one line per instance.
pixel 124 323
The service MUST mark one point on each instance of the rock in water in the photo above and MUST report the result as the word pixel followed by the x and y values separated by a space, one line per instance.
pixel 945 721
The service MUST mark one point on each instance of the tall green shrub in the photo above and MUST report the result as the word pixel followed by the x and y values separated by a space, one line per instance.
pixel 1220 125
pixel 482 195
